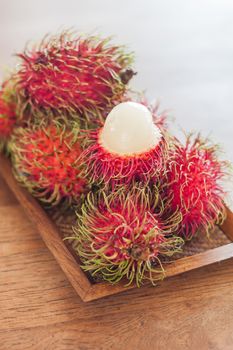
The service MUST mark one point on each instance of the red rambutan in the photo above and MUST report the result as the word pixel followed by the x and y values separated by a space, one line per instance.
pixel 120 236
pixel 194 185
pixel 7 119
pixel 83 75
pixel 45 161
pixel 128 148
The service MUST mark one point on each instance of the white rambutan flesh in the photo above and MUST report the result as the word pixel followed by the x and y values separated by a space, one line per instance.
pixel 129 129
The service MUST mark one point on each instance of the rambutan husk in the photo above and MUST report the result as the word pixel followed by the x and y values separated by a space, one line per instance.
pixel 72 75
pixel 111 170
pixel 45 161
pixel 7 118
pixel 194 185
pixel 120 235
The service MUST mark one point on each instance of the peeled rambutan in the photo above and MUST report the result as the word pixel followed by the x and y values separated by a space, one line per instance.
pixel 120 236
pixel 130 147
pixel 73 74
pixel 45 161
pixel 7 119
pixel 194 185
pixel 159 118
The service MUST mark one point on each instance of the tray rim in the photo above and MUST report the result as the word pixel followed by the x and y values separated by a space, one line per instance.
pixel 78 279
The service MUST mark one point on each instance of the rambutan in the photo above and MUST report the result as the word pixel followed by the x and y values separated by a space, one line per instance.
pixel 194 185
pixel 7 119
pixel 130 147
pixel 45 161
pixel 159 118
pixel 71 74
pixel 120 236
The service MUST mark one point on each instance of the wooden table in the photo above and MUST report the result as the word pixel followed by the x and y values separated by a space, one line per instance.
pixel 40 310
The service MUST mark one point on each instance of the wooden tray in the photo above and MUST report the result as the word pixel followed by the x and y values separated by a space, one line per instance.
pixel 86 288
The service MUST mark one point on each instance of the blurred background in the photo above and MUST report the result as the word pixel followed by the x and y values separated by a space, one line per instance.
pixel 184 50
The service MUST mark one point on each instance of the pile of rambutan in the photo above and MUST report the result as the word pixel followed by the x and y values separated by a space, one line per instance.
pixel 77 136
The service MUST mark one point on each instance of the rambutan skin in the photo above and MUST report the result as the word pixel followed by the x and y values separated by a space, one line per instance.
pixel 194 186
pixel 7 119
pixel 119 236
pixel 45 161
pixel 112 170
pixel 72 74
